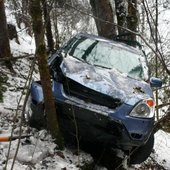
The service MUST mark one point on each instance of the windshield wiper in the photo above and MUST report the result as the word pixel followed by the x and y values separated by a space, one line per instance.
pixel 101 66
pixel 81 60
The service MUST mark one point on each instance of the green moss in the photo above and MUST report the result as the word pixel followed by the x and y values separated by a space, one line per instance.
pixel 3 80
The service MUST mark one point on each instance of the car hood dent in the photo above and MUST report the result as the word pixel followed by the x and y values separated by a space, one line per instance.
pixel 107 81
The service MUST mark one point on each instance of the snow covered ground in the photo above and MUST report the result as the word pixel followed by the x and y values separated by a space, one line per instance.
pixel 162 149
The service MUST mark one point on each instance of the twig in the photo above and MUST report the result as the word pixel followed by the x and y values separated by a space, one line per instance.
pixel 16 58
pixel 9 138
pixel 162 105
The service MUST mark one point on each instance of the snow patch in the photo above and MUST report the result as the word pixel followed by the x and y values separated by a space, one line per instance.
pixel 162 148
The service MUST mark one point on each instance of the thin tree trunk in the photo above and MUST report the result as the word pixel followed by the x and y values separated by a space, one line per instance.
pixel 57 39
pixel 156 57
pixel 143 20
pixel 121 13
pixel 25 4
pixel 18 15
pixel 103 10
pixel 126 12
pixel 47 20
pixel 49 103
pixel 5 51
pixel 55 22
pixel 132 19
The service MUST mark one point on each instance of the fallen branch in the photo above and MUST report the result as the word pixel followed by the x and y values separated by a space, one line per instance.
pixel 10 138
pixel 16 58
pixel 12 109
pixel 162 105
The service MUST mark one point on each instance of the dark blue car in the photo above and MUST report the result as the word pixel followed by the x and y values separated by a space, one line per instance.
pixel 103 95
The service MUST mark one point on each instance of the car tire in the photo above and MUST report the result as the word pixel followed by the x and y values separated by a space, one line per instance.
pixel 27 112
pixel 34 115
pixel 143 152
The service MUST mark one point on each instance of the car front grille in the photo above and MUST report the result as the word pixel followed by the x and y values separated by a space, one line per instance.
pixel 73 88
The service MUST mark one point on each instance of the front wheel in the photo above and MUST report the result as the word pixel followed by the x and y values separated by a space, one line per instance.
pixel 34 114
pixel 143 152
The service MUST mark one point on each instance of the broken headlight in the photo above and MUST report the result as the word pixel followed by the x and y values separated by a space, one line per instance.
pixel 144 109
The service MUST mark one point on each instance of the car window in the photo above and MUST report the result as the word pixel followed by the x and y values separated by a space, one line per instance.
pixel 108 55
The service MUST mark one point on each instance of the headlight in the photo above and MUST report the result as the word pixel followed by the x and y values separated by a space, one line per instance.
pixel 144 109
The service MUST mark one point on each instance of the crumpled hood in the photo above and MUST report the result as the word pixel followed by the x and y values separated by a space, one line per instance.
pixel 107 81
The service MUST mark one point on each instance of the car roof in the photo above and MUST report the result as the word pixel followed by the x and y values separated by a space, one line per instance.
pixel 113 42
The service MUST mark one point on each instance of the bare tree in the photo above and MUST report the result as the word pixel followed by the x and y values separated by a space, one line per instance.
pixel 4 40
pixel 38 29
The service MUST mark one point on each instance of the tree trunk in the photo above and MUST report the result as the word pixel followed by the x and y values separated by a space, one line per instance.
pixel 102 9
pixel 47 20
pixel 156 57
pixel 5 51
pixel 55 24
pixel 49 103
pixel 121 13
pixel 25 4
pixel 132 19
pixel 126 12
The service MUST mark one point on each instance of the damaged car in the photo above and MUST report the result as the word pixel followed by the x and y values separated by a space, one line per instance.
pixel 103 94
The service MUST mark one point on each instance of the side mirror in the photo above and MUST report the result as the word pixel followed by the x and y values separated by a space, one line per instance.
pixel 155 82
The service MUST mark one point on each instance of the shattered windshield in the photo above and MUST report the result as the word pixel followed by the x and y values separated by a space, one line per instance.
pixel 108 55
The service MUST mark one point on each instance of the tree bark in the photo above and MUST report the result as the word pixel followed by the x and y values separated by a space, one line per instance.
pixel 25 5
pixel 5 51
pixel 121 13
pixel 126 12
pixel 18 15
pixel 52 120
pixel 132 19
pixel 47 20
pixel 103 10
pixel 55 24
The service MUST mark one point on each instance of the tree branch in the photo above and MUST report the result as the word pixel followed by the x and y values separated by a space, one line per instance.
pixel 162 105
pixel 16 58
pixel 157 124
